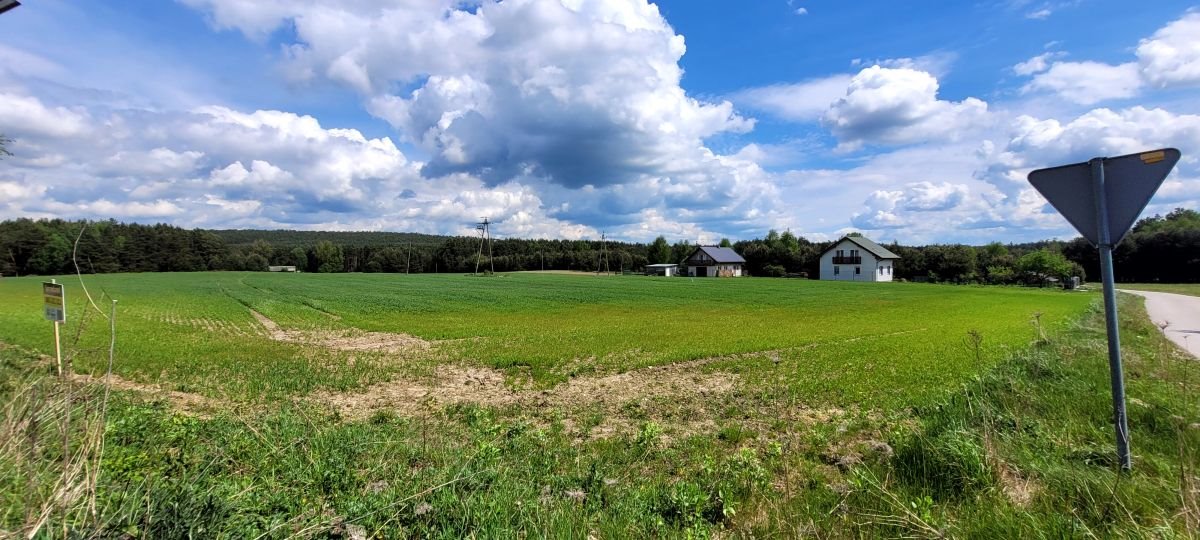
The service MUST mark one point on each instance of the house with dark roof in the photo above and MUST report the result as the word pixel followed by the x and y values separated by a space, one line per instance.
pixel 713 261
pixel 857 258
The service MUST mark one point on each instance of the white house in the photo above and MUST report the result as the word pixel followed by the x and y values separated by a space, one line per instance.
pixel 713 261
pixel 856 258
pixel 662 269
pixel 281 268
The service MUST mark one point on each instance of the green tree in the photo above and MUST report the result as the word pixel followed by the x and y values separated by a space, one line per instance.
pixel 660 251
pixel 328 257
pixel 263 248
pixel 299 258
pixel 789 241
pixel 995 257
pixel 999 275
pixel 255 262
pixel 726 243
pixel 680 251
pixel 52 256
pixel 388 260
pixel 954 262
pixel 4 142
pixel 1041 265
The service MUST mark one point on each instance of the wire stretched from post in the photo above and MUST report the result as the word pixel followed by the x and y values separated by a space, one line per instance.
pixel 78 274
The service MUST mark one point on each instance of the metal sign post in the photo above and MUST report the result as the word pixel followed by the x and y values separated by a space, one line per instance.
pixel 1102 198
pixel 55 308
pixel 1115 371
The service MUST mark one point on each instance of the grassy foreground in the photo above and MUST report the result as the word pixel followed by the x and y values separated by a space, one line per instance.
pixel 1016 443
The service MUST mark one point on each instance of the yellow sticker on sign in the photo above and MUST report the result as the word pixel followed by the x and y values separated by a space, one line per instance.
pixel 1153 157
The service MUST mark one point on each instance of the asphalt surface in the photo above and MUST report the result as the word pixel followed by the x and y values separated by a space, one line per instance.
pixel 1182 312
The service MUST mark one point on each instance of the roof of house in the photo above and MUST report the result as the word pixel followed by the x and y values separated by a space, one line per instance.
pixel 720 254
pixel 877 250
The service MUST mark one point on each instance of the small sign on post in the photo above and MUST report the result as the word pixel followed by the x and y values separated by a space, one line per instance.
pixel 54 301
pixel 1102 198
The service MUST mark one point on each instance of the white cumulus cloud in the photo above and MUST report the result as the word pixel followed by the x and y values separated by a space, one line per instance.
pixel 1171 57
pixel 1086 83
pixel 899 106
pixel 799 102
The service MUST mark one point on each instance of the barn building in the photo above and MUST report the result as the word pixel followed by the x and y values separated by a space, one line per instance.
pixel 857 258
pixel 662 269
pixel 713 261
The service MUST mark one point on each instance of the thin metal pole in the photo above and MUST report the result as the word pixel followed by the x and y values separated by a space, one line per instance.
pixel 1116 372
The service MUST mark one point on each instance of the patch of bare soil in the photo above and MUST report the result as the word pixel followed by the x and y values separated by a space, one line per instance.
pixel 186 402
pixel 345 340
pixel 680 395
pixel 412 397
pixel 1017 488
pixel 452 385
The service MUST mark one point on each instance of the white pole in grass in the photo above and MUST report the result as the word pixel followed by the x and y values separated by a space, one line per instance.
pixel 57 343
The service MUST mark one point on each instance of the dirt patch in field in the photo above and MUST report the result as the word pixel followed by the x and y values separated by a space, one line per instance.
pixel 680 396
pixel 412 397
pixel 345 340
pixel 451 385
pixel 185 402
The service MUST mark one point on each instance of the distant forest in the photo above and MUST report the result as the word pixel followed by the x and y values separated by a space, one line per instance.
pixel 1159 249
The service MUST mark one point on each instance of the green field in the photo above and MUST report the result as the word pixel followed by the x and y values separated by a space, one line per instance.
pixel 887 344
pixel 554 405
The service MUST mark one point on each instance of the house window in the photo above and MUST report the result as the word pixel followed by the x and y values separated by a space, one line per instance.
pixel 837 270
pixel 857 269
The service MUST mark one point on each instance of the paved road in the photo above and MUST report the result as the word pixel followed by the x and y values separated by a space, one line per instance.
pixel 1182 311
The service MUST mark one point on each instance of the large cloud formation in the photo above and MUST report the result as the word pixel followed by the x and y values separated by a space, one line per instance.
pixel 554 117
pixel 567 118
pixel 576 92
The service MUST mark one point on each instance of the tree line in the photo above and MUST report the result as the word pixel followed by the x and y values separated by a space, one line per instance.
pixel 1159 248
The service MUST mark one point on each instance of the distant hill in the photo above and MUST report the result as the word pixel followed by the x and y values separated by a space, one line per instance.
pixel 304 239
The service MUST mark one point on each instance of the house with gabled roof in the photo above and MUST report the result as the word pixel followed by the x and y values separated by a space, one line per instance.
pixel 713 261
pixel 857 258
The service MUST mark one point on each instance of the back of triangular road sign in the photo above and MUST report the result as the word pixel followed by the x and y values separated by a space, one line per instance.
pixel 1129 181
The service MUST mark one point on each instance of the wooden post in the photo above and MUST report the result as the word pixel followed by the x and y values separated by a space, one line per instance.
pixel 57 343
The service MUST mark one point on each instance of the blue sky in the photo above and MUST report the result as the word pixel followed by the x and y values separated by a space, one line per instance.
pixel 693 119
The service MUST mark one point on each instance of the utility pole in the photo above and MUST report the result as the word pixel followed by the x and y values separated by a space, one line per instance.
pixel 603 259
pixel 485 237
pixel 408 263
